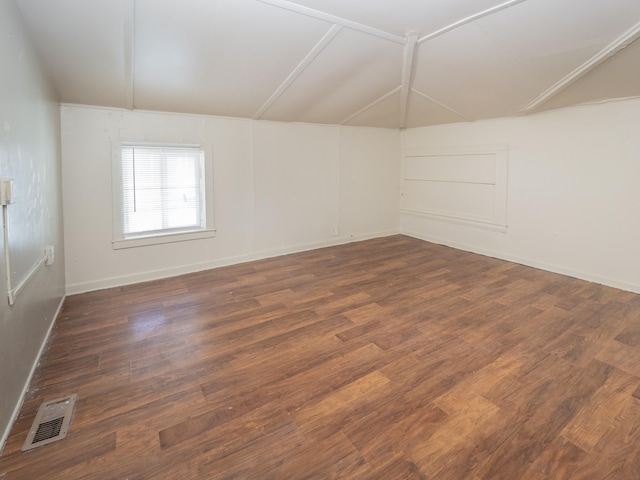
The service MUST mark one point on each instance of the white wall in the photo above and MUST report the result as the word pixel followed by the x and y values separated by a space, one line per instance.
pixel 279 187
pixel 29 154
pixel 573 191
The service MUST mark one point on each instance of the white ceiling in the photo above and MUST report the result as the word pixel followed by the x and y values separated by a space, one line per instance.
pixel 386 63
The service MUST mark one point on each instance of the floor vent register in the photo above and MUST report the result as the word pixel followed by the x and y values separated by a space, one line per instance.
pixel 51 422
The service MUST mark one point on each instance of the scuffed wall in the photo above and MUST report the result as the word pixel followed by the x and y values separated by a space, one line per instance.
pixel 30 155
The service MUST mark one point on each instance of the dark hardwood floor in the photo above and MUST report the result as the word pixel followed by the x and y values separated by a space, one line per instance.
pixel 385 359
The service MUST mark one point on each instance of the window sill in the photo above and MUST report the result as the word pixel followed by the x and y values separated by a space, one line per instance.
pixel 163 238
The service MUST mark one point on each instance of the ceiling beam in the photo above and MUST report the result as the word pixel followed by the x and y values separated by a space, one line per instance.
pixel 327 17
pixel 129 54
pixel 623 41
pixel 407 68
pixel 447 107
pixel 469 19
pixel 306 61
pixel 372 104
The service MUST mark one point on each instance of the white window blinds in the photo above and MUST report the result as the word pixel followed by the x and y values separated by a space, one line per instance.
pixel 162 190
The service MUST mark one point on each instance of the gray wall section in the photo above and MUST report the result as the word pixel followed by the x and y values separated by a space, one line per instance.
pixel 29 154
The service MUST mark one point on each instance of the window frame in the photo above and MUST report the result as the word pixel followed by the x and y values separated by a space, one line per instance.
pixel 156 237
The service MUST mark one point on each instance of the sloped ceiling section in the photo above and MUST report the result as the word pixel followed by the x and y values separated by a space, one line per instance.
pixel 383 63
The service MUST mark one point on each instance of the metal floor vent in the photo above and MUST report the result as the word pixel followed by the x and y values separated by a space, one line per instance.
pixel 51 422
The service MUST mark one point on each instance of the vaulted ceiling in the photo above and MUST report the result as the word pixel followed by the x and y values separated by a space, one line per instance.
pixel 385 63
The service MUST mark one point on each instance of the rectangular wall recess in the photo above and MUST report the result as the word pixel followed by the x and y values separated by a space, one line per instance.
pixel 465 185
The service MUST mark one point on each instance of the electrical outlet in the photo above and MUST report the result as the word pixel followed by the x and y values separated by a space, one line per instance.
pixel 6 191
pixel 49 255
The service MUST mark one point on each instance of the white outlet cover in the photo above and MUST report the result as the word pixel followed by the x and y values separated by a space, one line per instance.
pixel 6 191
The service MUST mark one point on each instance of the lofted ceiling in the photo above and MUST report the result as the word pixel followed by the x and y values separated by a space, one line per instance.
pixel 383 63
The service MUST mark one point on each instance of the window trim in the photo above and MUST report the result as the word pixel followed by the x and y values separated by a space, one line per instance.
pixel 119 241
pixel 162 238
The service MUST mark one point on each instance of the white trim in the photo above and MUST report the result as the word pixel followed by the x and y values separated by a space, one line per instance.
pixel 77 288
pixel 129 36
pixel 530 262
pixel 623 41
pixel 162 238
pixel 7 256
pixel 252 172
pixel 407 70
pixel 498 222
pixel 337 226
pixel 117 214
pixel 462 220
pixel 13 294
pixel 118 240
pixel 214 117
pixel 301 67
pixel 159 144
pixel 372 104
pixel 327 17
pixel 469 19
pixel 444 180
pixel 431 99
pixel 25 388
pixel 461 150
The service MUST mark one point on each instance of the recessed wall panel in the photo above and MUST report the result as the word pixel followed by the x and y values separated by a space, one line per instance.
pixel 451 199
pixel 472 168
pixel 461 184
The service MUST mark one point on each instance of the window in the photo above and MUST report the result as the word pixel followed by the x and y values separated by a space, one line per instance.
pixel 162 194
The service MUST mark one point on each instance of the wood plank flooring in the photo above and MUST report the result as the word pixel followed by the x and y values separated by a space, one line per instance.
pixel 386 359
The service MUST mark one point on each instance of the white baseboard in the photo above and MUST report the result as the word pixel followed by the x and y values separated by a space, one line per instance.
pixel 25 388
pixel 72 289
pixel 323 244
pixel 530 262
